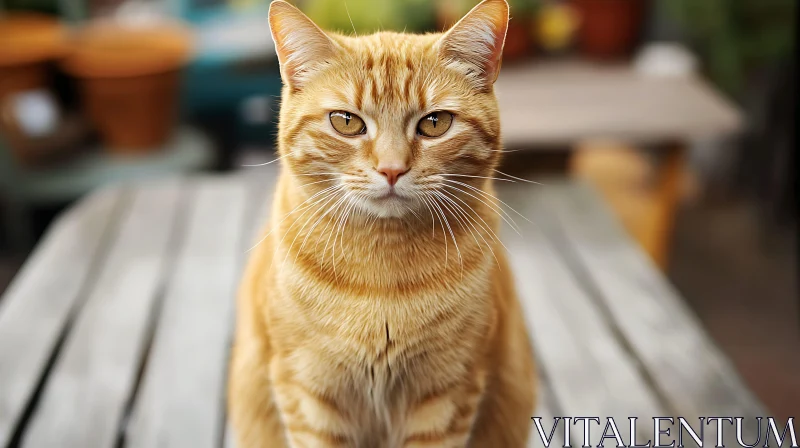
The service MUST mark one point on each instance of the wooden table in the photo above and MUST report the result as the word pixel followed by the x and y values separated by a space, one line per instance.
pixel 560 105
pixel 118 327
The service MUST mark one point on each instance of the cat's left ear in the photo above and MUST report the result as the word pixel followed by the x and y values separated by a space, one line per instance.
pixel 474 45
pixel 302 47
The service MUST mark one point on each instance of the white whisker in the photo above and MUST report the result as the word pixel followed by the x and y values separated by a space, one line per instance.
pixel 294 210
pixel 450 230
pixel 490 196
pixel 330 198
pixel 475 177
pixel 471 222
pixel 351 19
pixel 497 209
pixel 519 178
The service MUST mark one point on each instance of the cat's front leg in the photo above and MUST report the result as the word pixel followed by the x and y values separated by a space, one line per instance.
pixel 310 420
pixel 444 420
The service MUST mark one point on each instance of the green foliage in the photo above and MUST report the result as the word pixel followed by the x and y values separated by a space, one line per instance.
pixel 370 15
pixel 735 36
pixel 519 8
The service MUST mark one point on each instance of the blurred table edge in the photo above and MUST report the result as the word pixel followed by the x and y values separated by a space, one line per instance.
pixel 554 106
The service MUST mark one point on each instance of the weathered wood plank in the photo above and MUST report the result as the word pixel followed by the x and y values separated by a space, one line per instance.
pixel 591 374
pixel 84 400
pixel 691 374
pixel 261 182
pixel 42 299
pixel 181 403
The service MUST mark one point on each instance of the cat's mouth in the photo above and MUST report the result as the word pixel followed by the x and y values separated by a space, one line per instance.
pixel 391 194
pixel 388 204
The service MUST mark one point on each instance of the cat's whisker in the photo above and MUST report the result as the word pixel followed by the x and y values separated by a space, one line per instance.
pixel 334 221
pixel 519 178
pixel 270 162
pixel 466 222
pixel 478 190
pixel 414 213
pixel 336 209
pixel 317 182
pixel 351 19
pixel 318 197
pixel 494 207
pixel 314 226
pixel 475 177
pixel 486 227
pixel 433 221
pixel 324 200
pixel 285 217
pixel 340 209
pixel 299 232
pixel 341 227
pixel 429 201
pixel 474 224
pixel 450 230
pixel 322 174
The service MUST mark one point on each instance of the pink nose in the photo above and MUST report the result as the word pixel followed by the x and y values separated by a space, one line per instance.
pixel 392 173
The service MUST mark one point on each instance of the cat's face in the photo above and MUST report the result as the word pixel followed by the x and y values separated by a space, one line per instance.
pixel 392 122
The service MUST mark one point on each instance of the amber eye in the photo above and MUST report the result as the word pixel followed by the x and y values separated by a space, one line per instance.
pixel 435 124
pixel 347 124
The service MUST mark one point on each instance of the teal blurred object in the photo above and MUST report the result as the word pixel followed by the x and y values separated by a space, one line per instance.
pixel 235 60
pixel 22 189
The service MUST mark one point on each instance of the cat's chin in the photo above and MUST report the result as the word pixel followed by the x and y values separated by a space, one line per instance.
pixel 387 206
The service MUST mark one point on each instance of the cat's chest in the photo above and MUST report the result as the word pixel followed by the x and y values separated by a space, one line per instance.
pixel 377 342
pixel 377 356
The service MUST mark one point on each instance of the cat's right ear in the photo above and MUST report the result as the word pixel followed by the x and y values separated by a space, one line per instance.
pixel 474 45
pixel 300 44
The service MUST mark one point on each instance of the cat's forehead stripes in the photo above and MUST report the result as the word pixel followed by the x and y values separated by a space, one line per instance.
pixel 387 70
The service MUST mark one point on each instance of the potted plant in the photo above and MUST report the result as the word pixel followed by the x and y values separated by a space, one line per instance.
pixel 519 38
pixel 129 79
pixel 556 25
pixel 609 28
pixel 28 42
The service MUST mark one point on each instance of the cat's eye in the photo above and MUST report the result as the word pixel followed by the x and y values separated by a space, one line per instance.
pixel 347 124
pixel 435 124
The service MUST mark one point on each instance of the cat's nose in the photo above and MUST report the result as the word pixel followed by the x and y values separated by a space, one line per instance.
pixel 392 172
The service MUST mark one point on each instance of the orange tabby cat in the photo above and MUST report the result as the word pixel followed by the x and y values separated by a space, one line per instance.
pixel 379 310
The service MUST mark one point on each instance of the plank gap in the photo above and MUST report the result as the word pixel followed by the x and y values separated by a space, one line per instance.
pixel 109 233
pixel 260 195
pixel 177 239
pixel 566 250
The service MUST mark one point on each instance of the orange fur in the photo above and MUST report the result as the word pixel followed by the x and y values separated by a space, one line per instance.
pixel 369 320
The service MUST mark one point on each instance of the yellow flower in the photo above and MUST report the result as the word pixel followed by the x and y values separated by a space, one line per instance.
pixel 557 24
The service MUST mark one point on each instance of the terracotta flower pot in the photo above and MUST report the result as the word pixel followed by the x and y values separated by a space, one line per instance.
pixel 130 80
pixel 518 41
pixel 27 43
pixel 609 28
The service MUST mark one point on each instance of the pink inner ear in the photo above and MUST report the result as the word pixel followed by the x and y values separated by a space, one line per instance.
pixel 496 57
pixel 301 46
pixel 479 37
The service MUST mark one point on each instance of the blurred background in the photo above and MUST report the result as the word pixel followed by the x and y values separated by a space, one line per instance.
pixel 94 92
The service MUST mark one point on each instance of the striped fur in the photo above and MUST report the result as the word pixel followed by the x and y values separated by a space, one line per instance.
pixel 383 322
